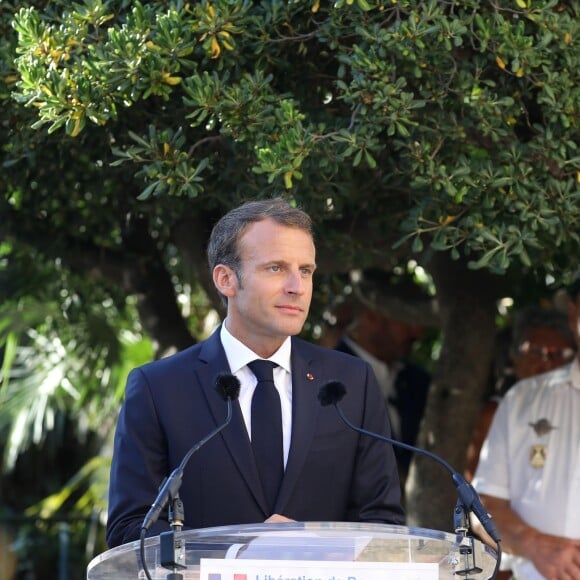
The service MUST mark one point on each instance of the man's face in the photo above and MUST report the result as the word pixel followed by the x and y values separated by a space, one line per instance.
pixel 401 336
pixel 542 349
pixel 271 299
pixel 388 339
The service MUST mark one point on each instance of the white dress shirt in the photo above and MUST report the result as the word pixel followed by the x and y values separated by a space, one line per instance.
pixel 239 355
pixel 386 377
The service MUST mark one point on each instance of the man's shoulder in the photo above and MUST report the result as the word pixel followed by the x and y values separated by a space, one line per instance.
pixel 178 359
pixel 324 353
pixel 534 392
pixel 343 346
pixel 545 382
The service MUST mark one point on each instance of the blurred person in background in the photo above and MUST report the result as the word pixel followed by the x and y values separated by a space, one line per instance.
pixel 529 467
pixel 539 341
pixel 386 341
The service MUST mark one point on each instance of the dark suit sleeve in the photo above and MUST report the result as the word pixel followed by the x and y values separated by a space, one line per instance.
pixel 139 464
pixel 375 493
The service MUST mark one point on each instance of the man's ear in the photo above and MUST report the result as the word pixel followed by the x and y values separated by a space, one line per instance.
pixel 225 280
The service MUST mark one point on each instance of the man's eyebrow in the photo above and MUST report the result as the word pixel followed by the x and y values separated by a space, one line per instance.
pixel 286 263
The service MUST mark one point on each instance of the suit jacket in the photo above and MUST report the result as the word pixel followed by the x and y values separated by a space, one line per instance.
pixel 411 390
pixel 332 473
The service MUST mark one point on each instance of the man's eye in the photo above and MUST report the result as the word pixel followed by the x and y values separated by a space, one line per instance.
pixel 275 268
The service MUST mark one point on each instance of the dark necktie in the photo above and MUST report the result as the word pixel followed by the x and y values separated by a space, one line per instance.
pixel 267 429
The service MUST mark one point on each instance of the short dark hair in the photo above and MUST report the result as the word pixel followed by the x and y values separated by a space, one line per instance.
pixel 223 246
pixel 538 317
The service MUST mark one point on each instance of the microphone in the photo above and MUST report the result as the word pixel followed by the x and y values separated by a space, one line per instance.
pixel 332 393
pixel 228 387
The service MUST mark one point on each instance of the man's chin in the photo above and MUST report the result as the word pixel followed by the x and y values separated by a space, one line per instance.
pixel 292 329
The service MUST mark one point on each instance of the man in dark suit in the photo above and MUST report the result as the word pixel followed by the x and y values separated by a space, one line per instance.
pixel 382 329
pixel 262 258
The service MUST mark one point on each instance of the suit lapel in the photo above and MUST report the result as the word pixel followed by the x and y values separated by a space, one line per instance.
pixel 234 435
pixel 305 409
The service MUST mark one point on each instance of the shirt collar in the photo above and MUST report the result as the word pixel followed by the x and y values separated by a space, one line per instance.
pixel 239 355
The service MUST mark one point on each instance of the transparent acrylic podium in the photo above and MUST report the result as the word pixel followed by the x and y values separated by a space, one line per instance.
pixel 370 550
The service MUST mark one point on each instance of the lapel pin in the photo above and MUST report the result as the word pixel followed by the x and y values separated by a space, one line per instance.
pixel 310 376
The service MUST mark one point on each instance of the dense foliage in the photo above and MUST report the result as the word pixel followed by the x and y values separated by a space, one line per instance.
pixel 458 119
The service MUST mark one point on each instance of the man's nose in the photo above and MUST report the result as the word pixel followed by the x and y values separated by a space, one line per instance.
pixel 295 283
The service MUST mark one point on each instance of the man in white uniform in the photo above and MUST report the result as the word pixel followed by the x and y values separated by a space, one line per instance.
pixel 529 469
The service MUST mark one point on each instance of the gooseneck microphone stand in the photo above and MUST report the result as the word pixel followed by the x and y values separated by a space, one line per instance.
pixel 468 499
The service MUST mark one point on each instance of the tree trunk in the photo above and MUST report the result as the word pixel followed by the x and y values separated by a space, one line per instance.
pixel 467 309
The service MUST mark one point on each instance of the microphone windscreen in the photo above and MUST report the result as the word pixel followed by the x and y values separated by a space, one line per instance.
pixel 228 386
pixel 331 393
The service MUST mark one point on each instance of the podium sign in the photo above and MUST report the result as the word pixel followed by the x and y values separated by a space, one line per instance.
pixel 309 570
pixel 309 550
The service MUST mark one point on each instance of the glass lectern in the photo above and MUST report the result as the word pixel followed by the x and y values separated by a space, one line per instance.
pixel 301 551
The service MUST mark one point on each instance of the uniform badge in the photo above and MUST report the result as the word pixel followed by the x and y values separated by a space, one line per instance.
pixel 542 427
pixel 537 456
